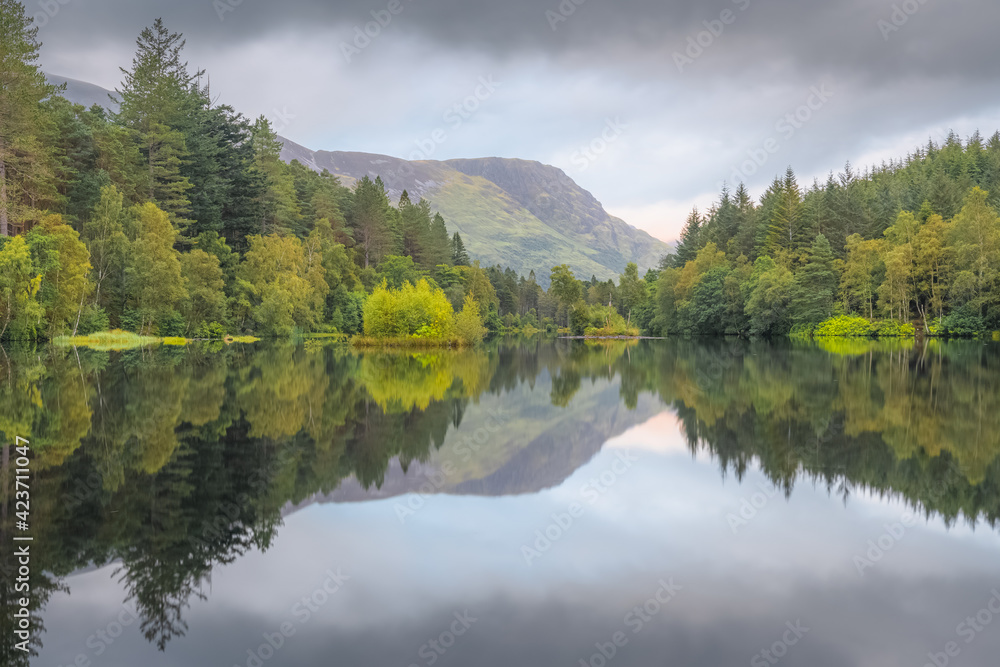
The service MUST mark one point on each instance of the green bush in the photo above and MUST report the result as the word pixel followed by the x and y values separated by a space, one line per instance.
pixel 413 310
pixel 172 325
pixel 894 329
pixel 844 326
pixel 962 323
pixel 211 331
pixel 92 320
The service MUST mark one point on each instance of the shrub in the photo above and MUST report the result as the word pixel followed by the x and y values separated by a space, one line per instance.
pixel 413 310
pixel 965 322
pixel 92 320
pixel 172 325
pixel 894 329
pixel 844 326
pixel 469 324
pixel 212 331
pixel 607 322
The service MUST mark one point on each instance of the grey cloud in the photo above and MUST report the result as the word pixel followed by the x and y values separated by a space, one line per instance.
pixel 768 39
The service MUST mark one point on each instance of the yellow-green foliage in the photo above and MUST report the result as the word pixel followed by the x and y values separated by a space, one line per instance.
pixel 153 271
pixel 174 340
pixel 19 307
pixel 419 311
pixel 894 329
pixel 469 323
pixel 279 286
pixel 107 340
pixel 844 326
pixel 847 326
pixel 65 263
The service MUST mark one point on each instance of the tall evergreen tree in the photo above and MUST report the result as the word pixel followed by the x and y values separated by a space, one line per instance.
pixel 277 207
pixel 459 255
pixel 815 285
pixel 690 241
pixel 437 248
pixel 371 220
pixel 786 228
pixel 154 99
pixel 25 175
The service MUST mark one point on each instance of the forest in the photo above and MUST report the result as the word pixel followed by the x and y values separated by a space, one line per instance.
pixel 175 216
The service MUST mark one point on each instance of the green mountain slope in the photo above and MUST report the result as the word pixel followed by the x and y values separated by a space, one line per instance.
pixel 516 213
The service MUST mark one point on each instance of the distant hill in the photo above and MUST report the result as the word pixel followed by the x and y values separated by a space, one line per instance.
pixel 516 213
pixel 542 446
pixel 81 92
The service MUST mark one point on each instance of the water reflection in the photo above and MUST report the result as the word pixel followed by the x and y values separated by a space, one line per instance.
pixel 173 462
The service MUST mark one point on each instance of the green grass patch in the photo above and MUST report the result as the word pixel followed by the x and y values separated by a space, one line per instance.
pixel 107 341
pixel 241 339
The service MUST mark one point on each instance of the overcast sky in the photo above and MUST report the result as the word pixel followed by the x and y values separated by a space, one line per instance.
pixel 667 119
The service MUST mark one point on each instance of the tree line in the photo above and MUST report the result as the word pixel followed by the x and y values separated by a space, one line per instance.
pixel 176 215
pixel 915 241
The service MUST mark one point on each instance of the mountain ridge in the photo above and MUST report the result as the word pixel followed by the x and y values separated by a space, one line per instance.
pixel 510 211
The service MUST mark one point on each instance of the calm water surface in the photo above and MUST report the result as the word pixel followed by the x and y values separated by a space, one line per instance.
pixel 688 503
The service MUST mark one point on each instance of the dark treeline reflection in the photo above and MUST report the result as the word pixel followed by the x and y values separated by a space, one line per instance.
pixel 174 460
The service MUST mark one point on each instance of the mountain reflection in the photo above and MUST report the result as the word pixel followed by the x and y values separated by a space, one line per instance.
pixel 170 462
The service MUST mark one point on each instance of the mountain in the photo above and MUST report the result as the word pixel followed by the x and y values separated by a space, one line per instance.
pixel 81 92
pixel 516 213
pixel 539 447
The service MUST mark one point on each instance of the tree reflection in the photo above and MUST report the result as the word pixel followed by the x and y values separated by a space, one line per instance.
pixel 173 461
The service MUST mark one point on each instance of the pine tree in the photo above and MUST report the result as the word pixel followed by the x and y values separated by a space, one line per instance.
pixel 437 248
pixel 690 241
pixel 371 219
pixel 278 207
pixel 459 256
pixel 226 187
pixel 154 99
pixel 786 223
pixel 815 285
pixel 415 224
pixel 24 159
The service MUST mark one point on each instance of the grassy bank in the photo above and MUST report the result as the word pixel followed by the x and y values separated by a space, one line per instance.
pixel 116 339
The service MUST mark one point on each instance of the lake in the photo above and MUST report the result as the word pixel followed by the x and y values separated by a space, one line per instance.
pixel 535 503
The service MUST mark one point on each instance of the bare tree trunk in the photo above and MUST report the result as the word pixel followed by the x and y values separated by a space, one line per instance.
pixel 78 313
pixel 3 190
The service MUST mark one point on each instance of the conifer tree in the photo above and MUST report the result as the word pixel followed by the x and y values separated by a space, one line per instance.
pixel 459 255
pixel 154 98
pixel 24 168
pixel 690 241
pixel 786 224
pixel 278 207
pixel 371 219
pixel 815 285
